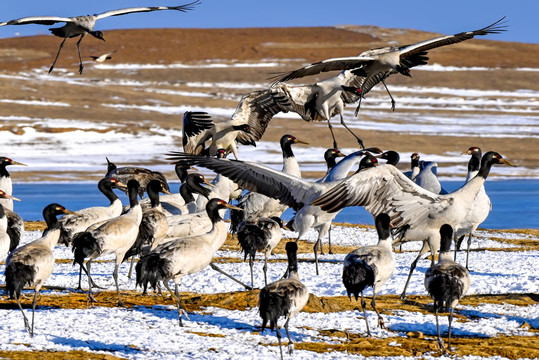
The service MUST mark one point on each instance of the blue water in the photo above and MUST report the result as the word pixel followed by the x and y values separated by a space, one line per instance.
pixel 515 203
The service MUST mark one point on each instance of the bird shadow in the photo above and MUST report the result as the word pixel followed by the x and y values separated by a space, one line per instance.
pixel 93 345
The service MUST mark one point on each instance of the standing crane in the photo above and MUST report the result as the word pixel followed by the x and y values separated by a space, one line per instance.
pixel 32 264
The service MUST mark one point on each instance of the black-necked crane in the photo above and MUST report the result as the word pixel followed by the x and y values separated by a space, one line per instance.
pixel 183 202
pixel 5 240
pixel 296 193
pixel 370 265
pixel 259 235
pixel 73 224
pixel 283 298
pixel 416 214
pixel 482 204
pixel 223 188
pixel 83 25
pixel 15 225
pixel 391 157
pixel 6 183
pixel 446 282
pixel 142 175
pixel 153 226
pixel 177 258
pixel 256 205
pixel 202 135
pixel 428 177
pixel 376 65
pixel 323 100
pixel 114 236
pixel 414 166
pixel 32 264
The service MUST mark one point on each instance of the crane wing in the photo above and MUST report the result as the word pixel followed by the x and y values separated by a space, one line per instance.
pixel 289 190
pixel 196 125
pixel 384 189
pixel 41 20
pixel 257 108
pixel 343 63
pixel 182 8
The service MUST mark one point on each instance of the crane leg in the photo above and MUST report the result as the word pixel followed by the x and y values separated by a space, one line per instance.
pixel 380 319
pixel 26 324
pixel 359 103
pixel 412 268
pixel 440 341
pixel 359 141
pixel 91 297
pixel 57 54
pixel 329 240
pixel 265 269
pixel 176 295
pixel 332 135
pixel 449 330
pixel 80 58
pixel 290 342
pixel 36 291
pixel 468 250
pixel 316 244
pixel 363 306
pixel 391 97
pixel 131 267
pixel 252 277
pixel 214 267
pixel 115 276
pixel 279 340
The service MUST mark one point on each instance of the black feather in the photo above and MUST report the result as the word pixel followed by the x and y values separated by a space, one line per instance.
pixel 445 288
pixel 18 275
pixel 84 245
pixel 151 269
pixel 356 277
pixel 272 306
pixel 252 239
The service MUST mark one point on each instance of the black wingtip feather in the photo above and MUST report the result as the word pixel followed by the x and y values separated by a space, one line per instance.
pixel 18 275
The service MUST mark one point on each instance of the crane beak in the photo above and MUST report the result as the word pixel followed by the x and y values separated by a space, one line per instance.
pixel 503 161
pixel 340 154
pixel 165 191
pixel 193 168
pixel 374 150
pixel 120 184
pixel 233 207
pixel 12 197
pixel 65 211
pixel 208 183
pixel 298 141
pixel 466 153
pixel 17 163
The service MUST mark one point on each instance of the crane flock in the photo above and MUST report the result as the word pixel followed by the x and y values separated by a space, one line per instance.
pixel 176 235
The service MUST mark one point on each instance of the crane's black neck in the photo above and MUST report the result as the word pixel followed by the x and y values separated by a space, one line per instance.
pixel 212 209
pixel 329 157
pixel 415 162
pixel 446 235
pixel 382 226
pixel 475 161
pixel 286 147
pixel 105 186
pixel 181 172
pixel 486 163
pixel 153 189
pixel 186 193
pixel 49 214
pixel 132 191
pixel 291 252
pixel 2 212
pixel 194 183
pixel 3 170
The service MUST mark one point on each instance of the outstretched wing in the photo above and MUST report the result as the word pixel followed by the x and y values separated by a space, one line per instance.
pixel 494 28
pixel 40 20
pixel 289 190
pixel 333 64
pixel 257 108
pixel 384 189
pixel 302 100
pixel 196 125
pixel 182 8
